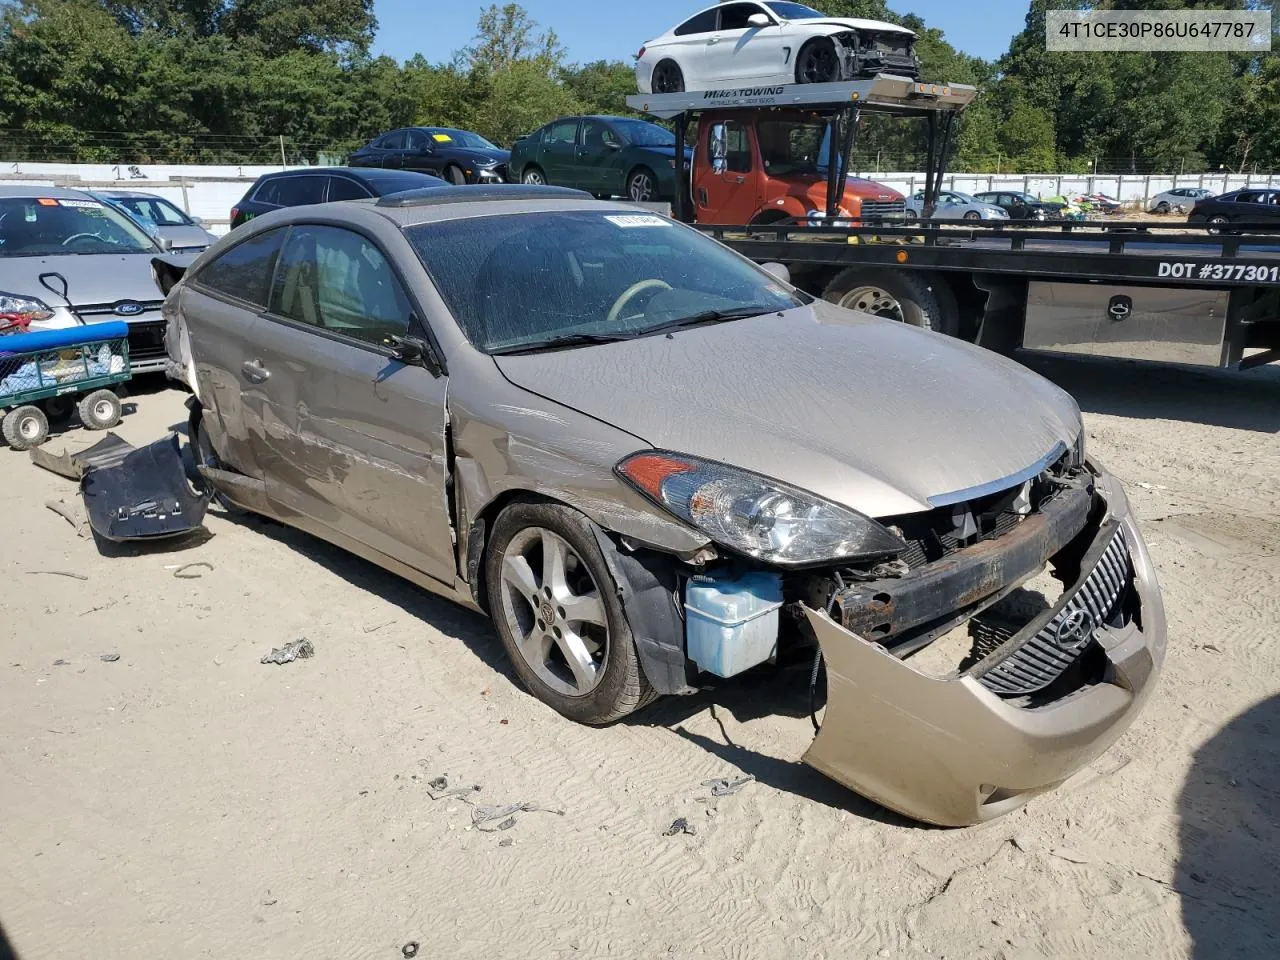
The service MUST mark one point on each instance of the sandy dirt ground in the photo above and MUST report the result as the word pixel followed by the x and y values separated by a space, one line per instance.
pixel 186 800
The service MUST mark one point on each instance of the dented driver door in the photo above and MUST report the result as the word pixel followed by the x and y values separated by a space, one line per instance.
pixel 356 438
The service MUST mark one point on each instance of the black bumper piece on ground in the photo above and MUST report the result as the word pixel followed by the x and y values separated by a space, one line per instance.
pixel 143 495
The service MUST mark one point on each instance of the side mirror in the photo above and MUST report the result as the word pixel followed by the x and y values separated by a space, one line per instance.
pixel 778 271
pixel 164 243
pixel 198 221
pixel 413 351
pixel 759 20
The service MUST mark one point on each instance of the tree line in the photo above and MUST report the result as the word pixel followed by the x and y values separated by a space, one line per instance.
pixel 243 81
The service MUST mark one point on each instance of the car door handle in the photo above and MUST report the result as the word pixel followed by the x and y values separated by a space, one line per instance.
pixel 739 179
pixel 255 372
pixel 713 40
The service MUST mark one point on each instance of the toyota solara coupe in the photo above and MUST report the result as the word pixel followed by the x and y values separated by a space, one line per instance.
pixel 653 462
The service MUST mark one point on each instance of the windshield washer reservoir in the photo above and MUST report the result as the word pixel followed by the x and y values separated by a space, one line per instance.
pixel 732 623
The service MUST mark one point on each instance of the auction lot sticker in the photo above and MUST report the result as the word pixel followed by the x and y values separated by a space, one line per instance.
pixel 1202 270
pixel 637 220
pixel 1099 31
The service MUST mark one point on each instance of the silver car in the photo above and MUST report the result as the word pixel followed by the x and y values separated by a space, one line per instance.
pixel 1180 199
pixel 953 205
pixel 654 463
pixel 161 218
pixel 67 258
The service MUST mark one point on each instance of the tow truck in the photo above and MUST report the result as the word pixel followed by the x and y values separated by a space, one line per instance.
pixel 1126 289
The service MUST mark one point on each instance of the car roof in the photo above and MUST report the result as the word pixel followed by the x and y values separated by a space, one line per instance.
pixel 436 204
pixel 369 176
pixel 126 195
pixel 8 191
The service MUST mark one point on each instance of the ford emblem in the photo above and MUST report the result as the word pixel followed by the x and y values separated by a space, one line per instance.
pixel 127 308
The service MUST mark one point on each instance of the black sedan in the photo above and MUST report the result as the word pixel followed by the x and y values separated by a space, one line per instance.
pixel 458 156
pixel 309 185
pixel 1252 206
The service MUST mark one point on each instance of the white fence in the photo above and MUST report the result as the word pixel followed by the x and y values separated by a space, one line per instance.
pixel 209 192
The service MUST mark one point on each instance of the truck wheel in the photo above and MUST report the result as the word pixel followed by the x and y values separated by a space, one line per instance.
pixel 553 603
pixel 818 62
pixel 534 177
pixel 915 298
pixel 25 427
pixel 99 410
pixel 667 78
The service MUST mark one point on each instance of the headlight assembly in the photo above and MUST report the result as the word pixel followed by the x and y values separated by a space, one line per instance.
pixel 755 515
pixel 20 311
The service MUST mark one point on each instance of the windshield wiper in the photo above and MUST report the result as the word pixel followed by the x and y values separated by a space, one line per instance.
pixel 556 343
pixel 711 316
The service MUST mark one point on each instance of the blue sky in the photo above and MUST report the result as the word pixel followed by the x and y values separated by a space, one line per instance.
pixel 436 29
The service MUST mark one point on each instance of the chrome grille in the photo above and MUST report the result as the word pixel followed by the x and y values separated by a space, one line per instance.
pixel 876 208
pixel 108 309
pixel 1036 664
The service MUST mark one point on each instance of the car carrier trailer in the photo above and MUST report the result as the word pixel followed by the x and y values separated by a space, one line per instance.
pixel 1126 289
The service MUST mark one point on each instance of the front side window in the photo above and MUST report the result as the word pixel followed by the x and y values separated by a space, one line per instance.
pixel 737 147
pixel 704 22
pixel 339 281
pixel 341 188
pixel 791 147
pixel 734 16
pixel 44 226
pixel 394 141
pixel 460 138
pixel 244 272
pixel 523 282
pixel 597 135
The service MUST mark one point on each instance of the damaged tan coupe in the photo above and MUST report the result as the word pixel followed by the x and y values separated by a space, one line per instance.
pixel 650 460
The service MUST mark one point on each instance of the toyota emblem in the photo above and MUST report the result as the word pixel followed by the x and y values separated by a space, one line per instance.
pixel 1075 630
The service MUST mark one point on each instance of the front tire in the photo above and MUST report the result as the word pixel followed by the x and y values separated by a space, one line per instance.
pixel 642 185
pixel 552 600
pixel 25 427
pixel 1162 207
pixel 973 215
pixel 534 177
pixel 918 300
pixel 818 62
pixel 454 175
pixel 667 78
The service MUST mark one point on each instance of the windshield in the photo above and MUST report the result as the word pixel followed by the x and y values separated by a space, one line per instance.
pixel 518 281
pixel 160 212
pixel 463 138
pixel 794 11
pixel 41 226
pixel 644 134
pixel 790 146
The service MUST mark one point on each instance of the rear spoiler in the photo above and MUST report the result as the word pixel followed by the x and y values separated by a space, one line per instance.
pixel 166 273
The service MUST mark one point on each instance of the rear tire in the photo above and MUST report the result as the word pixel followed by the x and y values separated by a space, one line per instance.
pixel 524 590
pixel 1217 225
pixel 25 427
pixel 99 410
pixel 907 296
pixel 818 62
pixel 667 78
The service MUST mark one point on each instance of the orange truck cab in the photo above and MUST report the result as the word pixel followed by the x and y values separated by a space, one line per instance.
pixel 762 166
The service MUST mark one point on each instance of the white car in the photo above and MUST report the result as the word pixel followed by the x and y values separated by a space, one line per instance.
pixel 1179 198
pixel 953 205
pixel 770 42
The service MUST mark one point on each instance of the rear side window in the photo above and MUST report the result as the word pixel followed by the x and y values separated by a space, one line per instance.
pixel 341 188
pixel 704 22
pixel 244 271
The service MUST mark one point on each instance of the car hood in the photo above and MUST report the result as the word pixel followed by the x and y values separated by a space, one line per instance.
pixel 187 235
pixel 91 278
pixel 877 415
pixel 853 23
pixel 661 151
pixel 481 155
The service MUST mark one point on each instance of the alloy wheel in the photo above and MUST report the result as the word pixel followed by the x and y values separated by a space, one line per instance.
pixel 640 187
pixel 554 611
pixel 818 64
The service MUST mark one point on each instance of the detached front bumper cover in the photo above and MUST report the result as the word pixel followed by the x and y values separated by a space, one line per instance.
pixel 951 751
